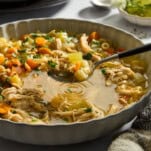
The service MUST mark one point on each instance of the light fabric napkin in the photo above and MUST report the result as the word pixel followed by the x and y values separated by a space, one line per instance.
pixel 138 138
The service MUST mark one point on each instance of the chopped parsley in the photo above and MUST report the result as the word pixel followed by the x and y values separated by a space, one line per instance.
pixel 14 112
pixel 103 71
pixel 49 38
pixel 1 84
pixel 36 69
pixel 7 79
pixel 66 119
pixel 23 58
pixel 36 56
pixel 69 90
pixel 87 56
pixel 34 35
pixel 22 51
pixel 26 40
pixel 95 42
pixel 52 64
pixel 88 110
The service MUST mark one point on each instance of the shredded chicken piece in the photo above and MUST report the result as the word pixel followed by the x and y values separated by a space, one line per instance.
pixel 112 109
pixel 18 115
pixel 35 92
pixel 26 99
pixel 84 44
pixel 9 93
pixel 59 53
pixel 127 90
pixel 58 44
pixel 70 50
pixel 123 101
pixel 96 57
pixel 118 72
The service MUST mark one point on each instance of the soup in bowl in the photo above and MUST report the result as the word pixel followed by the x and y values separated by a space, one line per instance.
pixel 32 100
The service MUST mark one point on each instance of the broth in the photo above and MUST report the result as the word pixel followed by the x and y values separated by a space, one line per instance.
pixel 94 89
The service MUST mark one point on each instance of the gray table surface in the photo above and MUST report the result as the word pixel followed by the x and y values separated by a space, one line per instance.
pixel 77 9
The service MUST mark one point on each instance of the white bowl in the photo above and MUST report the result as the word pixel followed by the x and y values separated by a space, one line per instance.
pixel 135 19
pixel 73 132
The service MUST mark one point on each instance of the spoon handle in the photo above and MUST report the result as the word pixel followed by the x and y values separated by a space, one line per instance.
pixel 130 52
pixel 135 51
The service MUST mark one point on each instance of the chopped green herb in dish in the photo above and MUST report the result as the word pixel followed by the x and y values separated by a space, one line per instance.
pixel 139 7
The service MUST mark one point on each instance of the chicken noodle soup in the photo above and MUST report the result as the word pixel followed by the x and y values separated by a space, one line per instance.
pixel 30 95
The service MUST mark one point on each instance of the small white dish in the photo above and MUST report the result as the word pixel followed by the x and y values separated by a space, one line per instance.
pixel 101 3
pixel 135 19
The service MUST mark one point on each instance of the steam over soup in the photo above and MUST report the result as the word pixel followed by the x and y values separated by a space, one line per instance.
pixel 30 95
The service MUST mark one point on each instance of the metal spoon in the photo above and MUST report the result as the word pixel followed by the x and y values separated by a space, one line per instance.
pixel 124 54
pixel 101 3
pixel 67 77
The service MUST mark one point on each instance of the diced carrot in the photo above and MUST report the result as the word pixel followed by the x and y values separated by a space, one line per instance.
pixel 93 35
pixel 120 49
pixel 32 63
pixel 110 51
pixel 77 66
pixel 4 108
pixel 44 50
pixel 11 50
pixel 2 58
pixel 40 41
pixel 13 62
pixel 16 62
pixel 8 55
pixel 9 64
